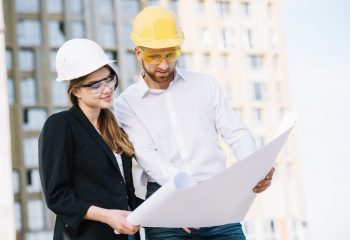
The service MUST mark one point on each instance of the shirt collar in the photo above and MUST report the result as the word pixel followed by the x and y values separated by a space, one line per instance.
pixel 144 89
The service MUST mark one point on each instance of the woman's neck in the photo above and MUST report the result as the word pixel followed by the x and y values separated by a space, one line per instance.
pixel 91 113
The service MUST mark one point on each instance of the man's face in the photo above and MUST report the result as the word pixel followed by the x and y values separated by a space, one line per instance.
pixel 158 64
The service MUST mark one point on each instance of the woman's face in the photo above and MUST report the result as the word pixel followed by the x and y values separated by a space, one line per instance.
pixel 97 90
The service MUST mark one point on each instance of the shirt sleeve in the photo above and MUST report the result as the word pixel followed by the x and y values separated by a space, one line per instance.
pixel 230 126
pixel 56 173
pixel 151 160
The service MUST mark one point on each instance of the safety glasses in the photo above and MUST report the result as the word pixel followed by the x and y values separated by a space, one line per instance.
pixel 97 87
pixel 156 57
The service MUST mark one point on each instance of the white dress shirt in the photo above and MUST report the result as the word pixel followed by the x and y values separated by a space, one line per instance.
pixel 177 129
pixel 120 163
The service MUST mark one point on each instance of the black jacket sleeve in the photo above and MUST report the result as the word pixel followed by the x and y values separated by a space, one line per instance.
pixel 56 156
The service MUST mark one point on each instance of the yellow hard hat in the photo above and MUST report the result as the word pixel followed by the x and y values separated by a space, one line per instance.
pixel 156 27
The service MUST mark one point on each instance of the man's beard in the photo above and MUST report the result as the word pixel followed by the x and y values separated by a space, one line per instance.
pixel 156 79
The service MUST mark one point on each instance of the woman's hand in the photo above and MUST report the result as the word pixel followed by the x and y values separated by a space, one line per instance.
pixel 114 218
pixel 117 220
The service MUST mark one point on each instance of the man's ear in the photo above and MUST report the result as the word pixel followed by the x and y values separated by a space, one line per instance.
pixel 138 53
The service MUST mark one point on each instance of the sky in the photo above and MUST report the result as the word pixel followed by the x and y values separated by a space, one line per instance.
pixel 317 39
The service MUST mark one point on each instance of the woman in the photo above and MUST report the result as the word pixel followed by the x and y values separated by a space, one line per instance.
pixel 84 157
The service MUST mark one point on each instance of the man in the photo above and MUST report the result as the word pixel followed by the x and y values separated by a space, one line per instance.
pixel 174 117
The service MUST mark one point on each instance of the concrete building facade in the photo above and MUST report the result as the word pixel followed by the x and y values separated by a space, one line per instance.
pixel 239 42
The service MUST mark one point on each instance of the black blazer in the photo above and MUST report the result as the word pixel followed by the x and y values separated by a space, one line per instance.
pixel 78 169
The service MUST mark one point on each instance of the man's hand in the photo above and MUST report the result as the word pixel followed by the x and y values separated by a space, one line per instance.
pixel 265 183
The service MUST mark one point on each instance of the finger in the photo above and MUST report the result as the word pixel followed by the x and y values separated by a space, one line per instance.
pixel 263 183
pixel 270 174
pixel 261 189
pixel 131 228
pixel 127 230
pixel 186 229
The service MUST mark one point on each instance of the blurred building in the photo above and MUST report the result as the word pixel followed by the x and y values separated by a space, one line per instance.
pixel 240 42
pixel 7 221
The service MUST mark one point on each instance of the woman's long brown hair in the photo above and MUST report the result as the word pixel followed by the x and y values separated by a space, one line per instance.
pixel 108 126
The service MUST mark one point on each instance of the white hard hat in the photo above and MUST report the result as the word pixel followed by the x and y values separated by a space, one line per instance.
pixel 79 57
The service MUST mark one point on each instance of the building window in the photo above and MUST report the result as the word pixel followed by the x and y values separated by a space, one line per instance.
pixel 152 2
pixel 205 37
pixel 269 229
pixel 223 61
pixel 56 33
pixel 279 91
pixel 206 62
pixel 27 6
pixel 130 8
pixel 54 6
pixel 34 118
pixel 258 91
pixel 107 36
pixel 112 55
pixel 256 61
pixel 185 60
pixel 273 39
pixel 30 152
pixel 172 5
pixel 15 181
pixel 282 111
pixel 77 29
pixel 201 7
pixel 248 39
pixel 53 60
pixel 28 91
pixel 8 59
pixel 275 62
pixel 18 216
pixel 11 91
pixel 269 10
pixel 105 7
pixel 132 68
pixel 26 60
pixel 29 32
pixel 39 235
pixel 35 214
pixel 59 92
pixel 245 9
pixel 223 8
pixel 76 7
pixel 225 38
pixel 33 180
pixel 127 28
pixel 257 115
pixel 57 110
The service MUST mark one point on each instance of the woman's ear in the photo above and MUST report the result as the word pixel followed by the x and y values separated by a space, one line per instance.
pixel 76 92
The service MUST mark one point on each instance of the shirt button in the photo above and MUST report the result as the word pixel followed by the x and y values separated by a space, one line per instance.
pixel 66 225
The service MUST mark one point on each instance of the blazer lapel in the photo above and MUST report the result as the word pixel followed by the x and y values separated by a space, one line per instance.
pixel 90 129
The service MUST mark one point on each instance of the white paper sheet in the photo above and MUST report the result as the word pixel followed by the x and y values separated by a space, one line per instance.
pixel 224 198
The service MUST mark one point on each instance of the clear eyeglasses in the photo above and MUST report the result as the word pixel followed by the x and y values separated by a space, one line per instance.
pixel 97 87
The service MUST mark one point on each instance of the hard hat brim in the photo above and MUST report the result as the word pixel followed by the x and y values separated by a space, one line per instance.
pixel 88 71
pixel 156 44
